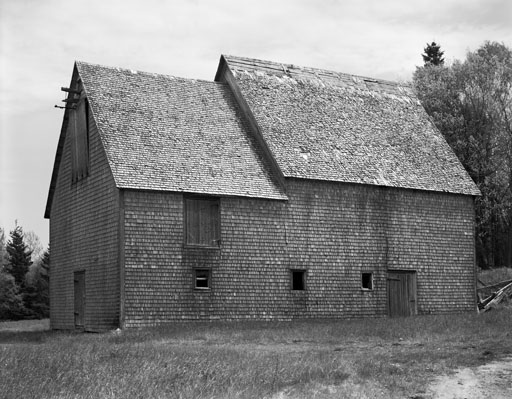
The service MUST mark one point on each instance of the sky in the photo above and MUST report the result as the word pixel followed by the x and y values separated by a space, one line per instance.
pixel 41 39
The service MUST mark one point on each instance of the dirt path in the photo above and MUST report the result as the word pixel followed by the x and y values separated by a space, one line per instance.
pixel 492 380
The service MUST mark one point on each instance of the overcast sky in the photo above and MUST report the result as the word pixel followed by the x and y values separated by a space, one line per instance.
pixel 40 40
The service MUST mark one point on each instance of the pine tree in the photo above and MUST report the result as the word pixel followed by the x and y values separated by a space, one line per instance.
pixel 3 252
pixel 45 264
pixel 19 257
pixel 37 298
pixel 11 301
pixel 433 54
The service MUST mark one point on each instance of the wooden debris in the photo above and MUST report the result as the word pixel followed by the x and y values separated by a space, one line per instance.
pixel 496 298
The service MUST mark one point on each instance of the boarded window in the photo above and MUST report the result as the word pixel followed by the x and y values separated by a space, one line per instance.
pixel 79 124
pixel 298 280
pixel 367 281
pixel 202 222
pixel 202 279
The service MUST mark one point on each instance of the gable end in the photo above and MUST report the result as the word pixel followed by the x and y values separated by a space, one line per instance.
pixel 60 148
pixel 224 75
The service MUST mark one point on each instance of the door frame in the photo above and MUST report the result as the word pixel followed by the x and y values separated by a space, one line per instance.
pixel 407 296
pixel 79 297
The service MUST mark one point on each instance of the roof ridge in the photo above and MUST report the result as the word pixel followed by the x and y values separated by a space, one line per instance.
pixel 284 67
pixel 145 73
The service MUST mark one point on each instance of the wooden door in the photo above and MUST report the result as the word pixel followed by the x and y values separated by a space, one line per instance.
pixel 79 278
pixel 401 293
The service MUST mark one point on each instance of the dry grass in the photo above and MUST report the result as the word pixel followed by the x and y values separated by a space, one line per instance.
pixel 323 359
pixel 493 276
pixel 25 325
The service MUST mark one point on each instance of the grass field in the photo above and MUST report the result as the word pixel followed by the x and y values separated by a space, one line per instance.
pixel 387 358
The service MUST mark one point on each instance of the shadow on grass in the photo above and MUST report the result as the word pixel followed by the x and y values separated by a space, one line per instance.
pixel 16 337
pixel 35 337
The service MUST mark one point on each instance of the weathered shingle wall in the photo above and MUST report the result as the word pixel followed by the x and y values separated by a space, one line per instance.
pixel 246 269
pixel 84 236
pixel 154 279
pixel 339 231
pixel 334 231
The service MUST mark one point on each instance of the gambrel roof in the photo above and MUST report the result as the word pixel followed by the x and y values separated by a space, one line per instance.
pixel 325 125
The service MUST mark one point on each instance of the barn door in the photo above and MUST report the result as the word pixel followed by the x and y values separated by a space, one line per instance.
pixel 401 293
pixel 79 278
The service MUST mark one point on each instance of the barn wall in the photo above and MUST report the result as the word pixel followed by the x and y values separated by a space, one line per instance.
pixel 246 270
pixel 334 231
pixel 83 237
pixel 339 231
pixel 153 277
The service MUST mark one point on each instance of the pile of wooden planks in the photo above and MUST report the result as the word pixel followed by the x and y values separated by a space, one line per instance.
pixel 496 298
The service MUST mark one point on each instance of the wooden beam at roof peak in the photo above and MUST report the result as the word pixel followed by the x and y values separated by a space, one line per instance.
pixel 68 90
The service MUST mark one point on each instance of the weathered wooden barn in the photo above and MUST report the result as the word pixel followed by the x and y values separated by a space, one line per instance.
pixel 273 192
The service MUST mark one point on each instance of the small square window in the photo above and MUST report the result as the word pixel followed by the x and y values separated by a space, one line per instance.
pixel 202 279
pixel 367 281
pixel 298 278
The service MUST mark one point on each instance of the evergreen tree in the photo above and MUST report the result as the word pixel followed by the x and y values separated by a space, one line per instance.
pixel 36 297
pixel 45 264
pixel 433 54
pixel 18 257
pixel 11 301
pixel 3 252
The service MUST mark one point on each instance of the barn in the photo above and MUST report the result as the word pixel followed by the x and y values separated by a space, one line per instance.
pixel 274 192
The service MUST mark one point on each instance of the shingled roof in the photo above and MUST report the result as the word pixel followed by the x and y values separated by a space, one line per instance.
pixel 166 133
pixel 325 125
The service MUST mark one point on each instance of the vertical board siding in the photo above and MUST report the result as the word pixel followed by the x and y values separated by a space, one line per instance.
pixel 83 237
pixel 402 296
pixel 334 231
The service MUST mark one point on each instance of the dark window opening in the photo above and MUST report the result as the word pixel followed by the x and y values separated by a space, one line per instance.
pixel 367 281
pixel 202 279
pixel 298 280
pixel 202 222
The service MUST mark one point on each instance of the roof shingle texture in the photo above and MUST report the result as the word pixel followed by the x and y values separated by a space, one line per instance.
pixel 330 126
pixel 173 134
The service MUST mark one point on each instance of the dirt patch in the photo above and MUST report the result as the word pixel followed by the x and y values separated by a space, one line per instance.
pixel 492 380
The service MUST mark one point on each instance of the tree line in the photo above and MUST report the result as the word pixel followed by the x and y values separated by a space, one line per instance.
pixel 24 276
pixel 470 102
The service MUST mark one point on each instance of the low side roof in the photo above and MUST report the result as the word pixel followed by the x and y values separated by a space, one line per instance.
pixel 326 125
pixel 166 133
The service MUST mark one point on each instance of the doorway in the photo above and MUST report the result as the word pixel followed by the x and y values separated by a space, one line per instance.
pixel 79 283
pixel 401 293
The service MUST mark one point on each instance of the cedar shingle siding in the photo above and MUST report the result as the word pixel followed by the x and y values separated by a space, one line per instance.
pixel 301 202
pixel 83 237
pixel 333 231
